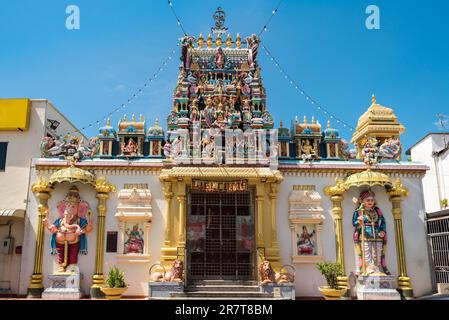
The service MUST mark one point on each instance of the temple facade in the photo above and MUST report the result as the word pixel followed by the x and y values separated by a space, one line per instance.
pixel 224 189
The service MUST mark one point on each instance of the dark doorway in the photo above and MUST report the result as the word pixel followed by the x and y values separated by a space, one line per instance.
pixel 220 236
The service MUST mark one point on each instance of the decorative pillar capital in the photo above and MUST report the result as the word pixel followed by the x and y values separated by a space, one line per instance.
pixel 103 186
pixel 398 191
pixel 167 190
pixel 181 198
pixel 337 190
pixel 42 188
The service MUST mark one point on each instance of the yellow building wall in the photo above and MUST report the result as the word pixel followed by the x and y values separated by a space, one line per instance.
pixel 14 114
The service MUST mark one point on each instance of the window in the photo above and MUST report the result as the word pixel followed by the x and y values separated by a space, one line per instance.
pixel 111 241
pixel 3 147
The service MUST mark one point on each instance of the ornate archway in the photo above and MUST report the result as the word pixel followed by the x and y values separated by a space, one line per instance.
pixel 43 189
pixel 396 192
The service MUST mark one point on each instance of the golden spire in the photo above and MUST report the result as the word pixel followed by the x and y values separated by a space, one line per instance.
pixel 140 118
pixel 305 119
pixel 296 120
pixel 108 122
pixel 313 120
pixel 228 41
pixel 218 42
pixel 124 118
pixel 373 99
pixel 201 41
pixel 328 124
pixel 133 118
pixel 280 124
pixel 238 41
pixel 209 41
pixel 157 123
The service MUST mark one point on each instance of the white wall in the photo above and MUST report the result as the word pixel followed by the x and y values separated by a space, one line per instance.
pixel 22 146
pixel 307 276
pixel 435 188
pixel 10 263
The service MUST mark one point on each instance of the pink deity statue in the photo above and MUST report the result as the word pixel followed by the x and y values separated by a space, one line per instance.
pixel 131 147
pixel 69 230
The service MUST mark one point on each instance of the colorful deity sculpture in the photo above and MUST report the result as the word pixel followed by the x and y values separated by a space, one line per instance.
pixel 134 243
pixel 370 235
pixel 370 152
pixel 69 230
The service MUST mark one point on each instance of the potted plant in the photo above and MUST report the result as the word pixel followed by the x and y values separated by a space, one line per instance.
pixel 331 271
pixel 116 285
pixel 444 203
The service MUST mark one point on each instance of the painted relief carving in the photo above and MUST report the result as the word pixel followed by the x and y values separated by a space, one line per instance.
pixel 134 212
pixel 306 219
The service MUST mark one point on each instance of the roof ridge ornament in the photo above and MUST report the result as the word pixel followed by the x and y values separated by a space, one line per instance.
pixel 219 16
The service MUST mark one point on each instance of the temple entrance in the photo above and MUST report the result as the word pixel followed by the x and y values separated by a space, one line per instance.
pixel 220 236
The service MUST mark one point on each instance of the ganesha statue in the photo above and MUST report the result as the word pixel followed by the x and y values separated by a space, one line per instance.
pixel 69 230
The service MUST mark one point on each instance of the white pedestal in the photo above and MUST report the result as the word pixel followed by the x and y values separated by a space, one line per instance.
pixel 64 286
pixel 377 288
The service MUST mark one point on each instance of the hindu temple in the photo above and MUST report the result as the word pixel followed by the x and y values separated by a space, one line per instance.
pixel 225 195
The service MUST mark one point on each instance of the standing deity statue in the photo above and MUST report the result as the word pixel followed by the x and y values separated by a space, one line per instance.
pixel 69 231
pixel 370 235
pixel 253 46
pixel 370 152
pixel 219 59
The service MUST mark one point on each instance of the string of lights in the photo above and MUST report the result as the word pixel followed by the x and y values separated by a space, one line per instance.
pixel 302 92
pixel 265 26
pixel 292 82
pixel 131 99
pixel 170 4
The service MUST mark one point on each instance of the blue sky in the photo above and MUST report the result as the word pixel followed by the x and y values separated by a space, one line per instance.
pixel 323 44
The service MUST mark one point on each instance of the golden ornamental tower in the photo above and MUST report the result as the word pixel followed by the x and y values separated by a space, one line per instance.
pixel 377 122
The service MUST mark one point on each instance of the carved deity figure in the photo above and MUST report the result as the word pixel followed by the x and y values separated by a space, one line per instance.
pixel 390 149
pixel 219 59
pixel 167 150
pixel 69 231
pixel 370 235
pixel 131 148
pixel 208 146
pixel 307 150
pixel 305 241
pixel 370 152
pixel 253 46
pixel 134 243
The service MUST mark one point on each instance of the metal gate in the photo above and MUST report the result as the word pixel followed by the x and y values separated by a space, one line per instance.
pixel 438 233
pixel 220 236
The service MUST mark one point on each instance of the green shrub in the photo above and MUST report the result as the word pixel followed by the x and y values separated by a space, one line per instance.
pixel 444 203
pixel 330 271
pixel 116 278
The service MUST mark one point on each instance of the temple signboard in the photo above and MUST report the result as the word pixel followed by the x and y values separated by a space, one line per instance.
pixel 219 186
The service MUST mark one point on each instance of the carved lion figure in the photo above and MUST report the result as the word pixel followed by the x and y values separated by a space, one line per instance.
pixel 267 274
pixel 174 274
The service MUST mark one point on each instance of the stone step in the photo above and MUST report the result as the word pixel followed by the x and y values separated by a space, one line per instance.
pixel 221 294
pixel 225 288
pixel 223 283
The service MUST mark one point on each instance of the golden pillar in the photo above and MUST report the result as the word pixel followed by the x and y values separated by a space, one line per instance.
pixel 396 193
pixel 336 194
pixel 259 216
pixel 182 220
pixel 103 188
pixel 168 250
pixel 168 194
pixel 274 238
pixel 43 191
pixel 273 251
